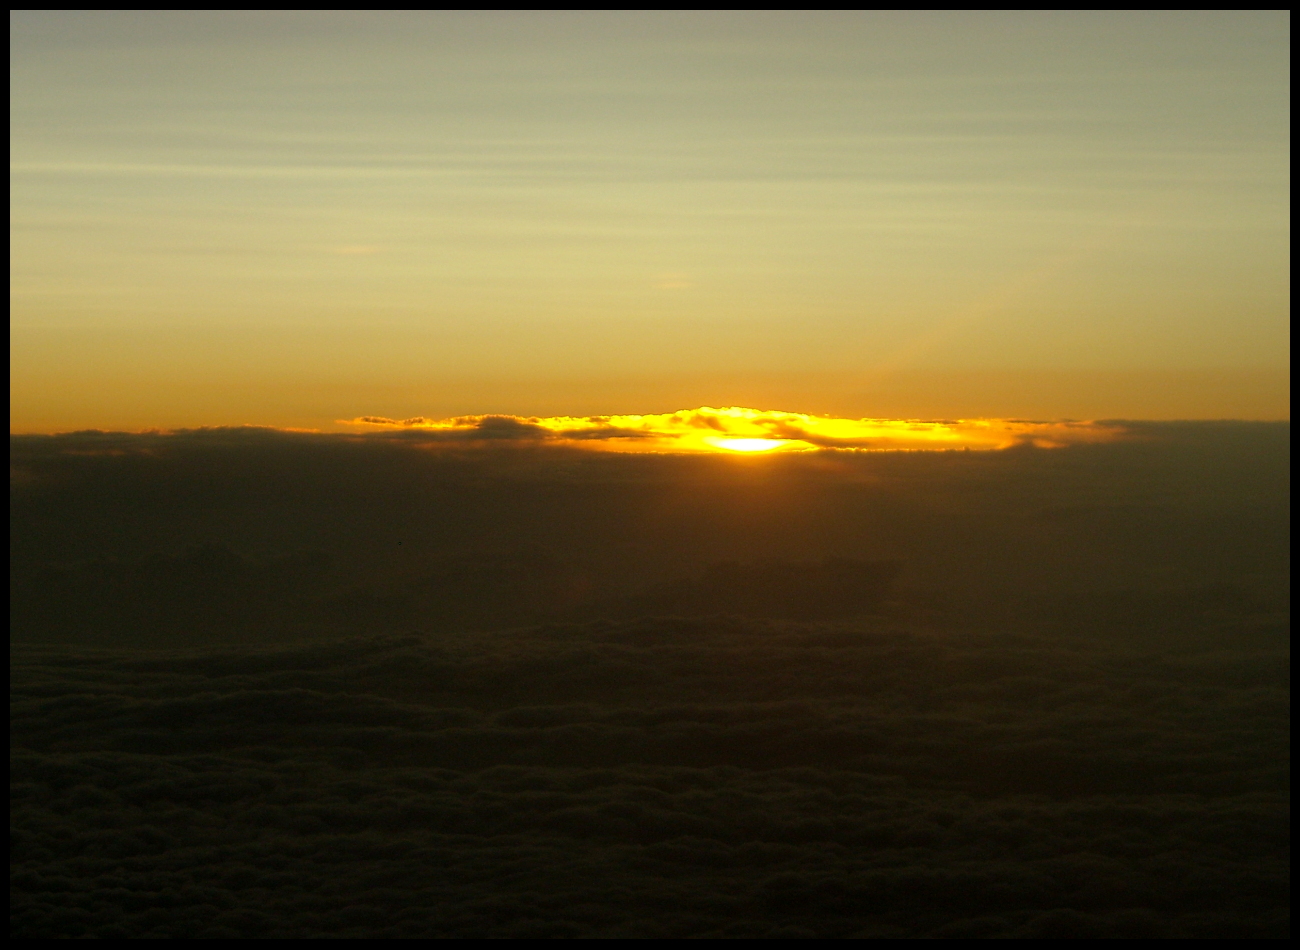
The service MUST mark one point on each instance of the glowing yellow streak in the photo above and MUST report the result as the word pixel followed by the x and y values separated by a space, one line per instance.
pixel 747 445
pixel 736 429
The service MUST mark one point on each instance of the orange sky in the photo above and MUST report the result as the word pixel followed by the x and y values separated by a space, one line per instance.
pixel 296 218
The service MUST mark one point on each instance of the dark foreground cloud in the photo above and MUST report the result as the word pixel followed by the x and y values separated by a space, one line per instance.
pixel 657 778
pixel 273 684
pixel 251 531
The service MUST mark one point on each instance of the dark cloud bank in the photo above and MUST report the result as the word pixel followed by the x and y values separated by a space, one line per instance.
pixel 283 685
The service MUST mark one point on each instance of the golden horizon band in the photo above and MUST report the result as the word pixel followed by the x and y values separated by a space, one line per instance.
pixel 737 429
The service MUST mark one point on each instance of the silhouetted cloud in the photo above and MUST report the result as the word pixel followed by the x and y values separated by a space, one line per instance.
pixel 333 531
pixel 468 427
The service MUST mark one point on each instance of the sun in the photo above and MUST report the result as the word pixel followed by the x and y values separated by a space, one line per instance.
pixel 747 445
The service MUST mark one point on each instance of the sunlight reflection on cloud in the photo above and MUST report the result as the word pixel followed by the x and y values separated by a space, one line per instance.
pixel 755 431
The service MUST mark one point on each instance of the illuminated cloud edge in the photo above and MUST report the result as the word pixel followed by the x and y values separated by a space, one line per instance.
pixel 737 429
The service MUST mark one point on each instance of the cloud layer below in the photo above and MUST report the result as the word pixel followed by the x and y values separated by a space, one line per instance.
pixel 657 778
pixel 294 685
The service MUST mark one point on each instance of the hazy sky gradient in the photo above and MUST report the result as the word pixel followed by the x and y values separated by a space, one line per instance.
pixel 292 218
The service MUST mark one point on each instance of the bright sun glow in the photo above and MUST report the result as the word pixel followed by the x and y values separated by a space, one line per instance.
pixel 736 429
pixel 747 445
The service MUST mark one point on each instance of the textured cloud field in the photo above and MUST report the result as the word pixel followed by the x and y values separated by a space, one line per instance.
pixel 657 778
pixel 290 685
